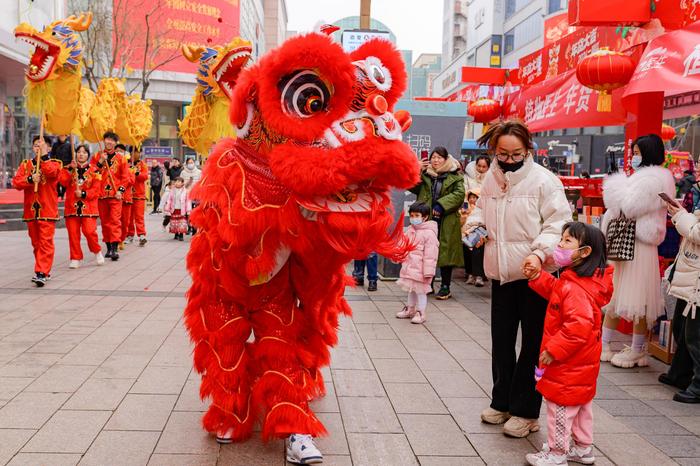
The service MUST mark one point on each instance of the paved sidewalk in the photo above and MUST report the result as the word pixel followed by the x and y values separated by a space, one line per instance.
pixel 95 369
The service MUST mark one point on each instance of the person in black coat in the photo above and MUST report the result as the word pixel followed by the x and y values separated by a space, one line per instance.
pixel 175 169
pixel 60 150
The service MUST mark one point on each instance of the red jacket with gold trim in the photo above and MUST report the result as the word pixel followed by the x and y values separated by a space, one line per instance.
pixel 140 175
pixel 89 182
pixel 42 205
pixel 118 167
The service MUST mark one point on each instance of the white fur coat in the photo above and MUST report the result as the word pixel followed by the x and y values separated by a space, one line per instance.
pixel 637 197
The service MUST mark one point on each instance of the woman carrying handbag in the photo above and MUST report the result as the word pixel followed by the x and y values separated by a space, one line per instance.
pixel 635 224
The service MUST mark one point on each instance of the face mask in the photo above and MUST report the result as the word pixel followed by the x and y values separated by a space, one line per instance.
pixel 416 221
pixel 190 166
pixel 510 167
pixel 564 257
pixel 636 161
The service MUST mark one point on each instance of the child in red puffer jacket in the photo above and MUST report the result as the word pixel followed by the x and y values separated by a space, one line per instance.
pixel 571 345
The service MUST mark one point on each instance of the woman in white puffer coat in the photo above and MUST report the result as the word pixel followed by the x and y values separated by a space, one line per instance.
pixel 637 296
pixel 684 372
pixel 524 209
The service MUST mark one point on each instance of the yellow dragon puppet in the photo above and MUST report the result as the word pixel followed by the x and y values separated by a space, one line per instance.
pixel 206 120
pixel 54 74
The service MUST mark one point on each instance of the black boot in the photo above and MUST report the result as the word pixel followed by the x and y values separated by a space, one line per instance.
pixel 115 251
pixel 372 286
pixel 109 250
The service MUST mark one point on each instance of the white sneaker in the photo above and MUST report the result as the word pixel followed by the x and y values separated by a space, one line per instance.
pixel 142 240
pixel 129 240
pixel 581 455
pixel 607 353
pixel 479 282
pixel 545 458
pixel 419 318
pixel 406 313
pixel 99 258
pixel 74 264
pixel 628 358
pixel 301 450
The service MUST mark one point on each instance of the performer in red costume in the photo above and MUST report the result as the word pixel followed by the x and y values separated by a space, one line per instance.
pixel 283 209
pixel 40 204
pixel 82 184
pixel 128 197
pixel 114 171
pixel 137 225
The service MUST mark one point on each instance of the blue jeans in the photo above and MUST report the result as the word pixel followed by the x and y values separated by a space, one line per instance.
pixel 359 268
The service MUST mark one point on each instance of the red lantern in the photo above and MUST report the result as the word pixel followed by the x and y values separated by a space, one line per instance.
pixel 604 71
pixel 667 132
pixel 484 110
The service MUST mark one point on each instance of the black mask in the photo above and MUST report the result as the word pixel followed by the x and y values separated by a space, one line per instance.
pixel 511 167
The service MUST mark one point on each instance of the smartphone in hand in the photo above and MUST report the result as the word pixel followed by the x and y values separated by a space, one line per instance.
pixel 424 155
pixel 668 200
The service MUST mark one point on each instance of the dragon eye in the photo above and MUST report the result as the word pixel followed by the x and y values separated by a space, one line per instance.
pixel 303 94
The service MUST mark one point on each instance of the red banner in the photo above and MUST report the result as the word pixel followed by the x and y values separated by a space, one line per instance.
pixel 473 92
pixel 556 27
pixel 564 54
pixel 562 102
pixel 172 23
pixel 670 63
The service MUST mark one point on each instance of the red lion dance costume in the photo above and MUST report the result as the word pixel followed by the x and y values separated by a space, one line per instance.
pixel 284 207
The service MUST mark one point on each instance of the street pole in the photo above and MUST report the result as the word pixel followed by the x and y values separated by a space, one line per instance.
pixel 365 6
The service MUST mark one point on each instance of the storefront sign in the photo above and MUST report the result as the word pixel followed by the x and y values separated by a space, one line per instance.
pixel 157 151
pixel 352 39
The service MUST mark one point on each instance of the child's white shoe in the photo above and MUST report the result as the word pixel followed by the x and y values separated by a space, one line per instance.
pixel 628 358
pixel 302 450
pixel 406 313
pixel 419 318
pixel 545 458
pixel 581 455
pixel 607 353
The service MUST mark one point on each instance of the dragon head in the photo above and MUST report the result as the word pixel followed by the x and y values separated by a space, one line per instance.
pixel 219 66
pixel 324 119
pixel 57 47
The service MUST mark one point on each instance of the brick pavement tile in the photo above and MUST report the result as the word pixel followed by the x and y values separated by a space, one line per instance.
pixel 335 443
pixel 466 350
pixel 350 358
pixel 369 415
pixel 386 349
pixel 375 449
pixel 682 446
pixel 253 452
pixel 161 380
pixel 183 434
pixel 158 459
pixel 630 449
pixel 446 331
pixel 349 339
pixel 52 459
pixel 435 360
pixel 179 355
pixel 650 392
pixel 398 370
pixel 327 403
pixel 30 410
pixel 106 335
pixel 11 386
pixel 57 344
pixel 142 412
pixel 613 392
pixel 454 384
pixel 122 366
pixel 68 432
pixel 416 398
pixel 357 383
pixel 375 332
pixel 467 413
pixel 11 440
pixel 672 408
pixel 89 354
pixel 653 425
pixel 450 461
pixel 435 435
pixel 371 317
pixel 335 460
pixel 605 423
pixel 497 449
pixel 99 394
pixel 627 408
pixel 687 461
pixel 116 447
pixel 632 378
pixel 189 398
pixel 61 378
pixel 692 423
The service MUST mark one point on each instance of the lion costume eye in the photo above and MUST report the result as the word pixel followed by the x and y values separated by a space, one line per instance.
pixel 377 73
pixel 303 94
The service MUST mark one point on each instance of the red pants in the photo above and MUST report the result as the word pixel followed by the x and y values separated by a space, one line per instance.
pixel 41 233
pixel 126 218
pixel 111 219
pixel 89 228
pixel 137 226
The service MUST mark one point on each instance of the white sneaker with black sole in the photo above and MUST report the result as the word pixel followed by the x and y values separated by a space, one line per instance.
pixel 301 450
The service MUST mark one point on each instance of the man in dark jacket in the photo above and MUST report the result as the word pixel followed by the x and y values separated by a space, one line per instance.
pixel 156 184
pixel 175 169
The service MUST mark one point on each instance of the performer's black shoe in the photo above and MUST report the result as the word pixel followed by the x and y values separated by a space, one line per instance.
pixel 108 255
pixel 115 253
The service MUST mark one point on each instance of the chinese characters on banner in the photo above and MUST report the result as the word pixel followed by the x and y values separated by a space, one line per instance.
pixel 556 27
pixel 562 102
pixel 172 23
pixel 419 142
pixel 670 63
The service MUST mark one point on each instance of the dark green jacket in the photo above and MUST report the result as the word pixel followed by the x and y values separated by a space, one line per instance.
pixel 451 199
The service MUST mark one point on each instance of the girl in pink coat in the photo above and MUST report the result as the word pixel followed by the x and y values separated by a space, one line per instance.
pixel 418 269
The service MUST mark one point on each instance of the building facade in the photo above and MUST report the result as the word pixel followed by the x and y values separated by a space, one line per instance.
pixel 454 29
